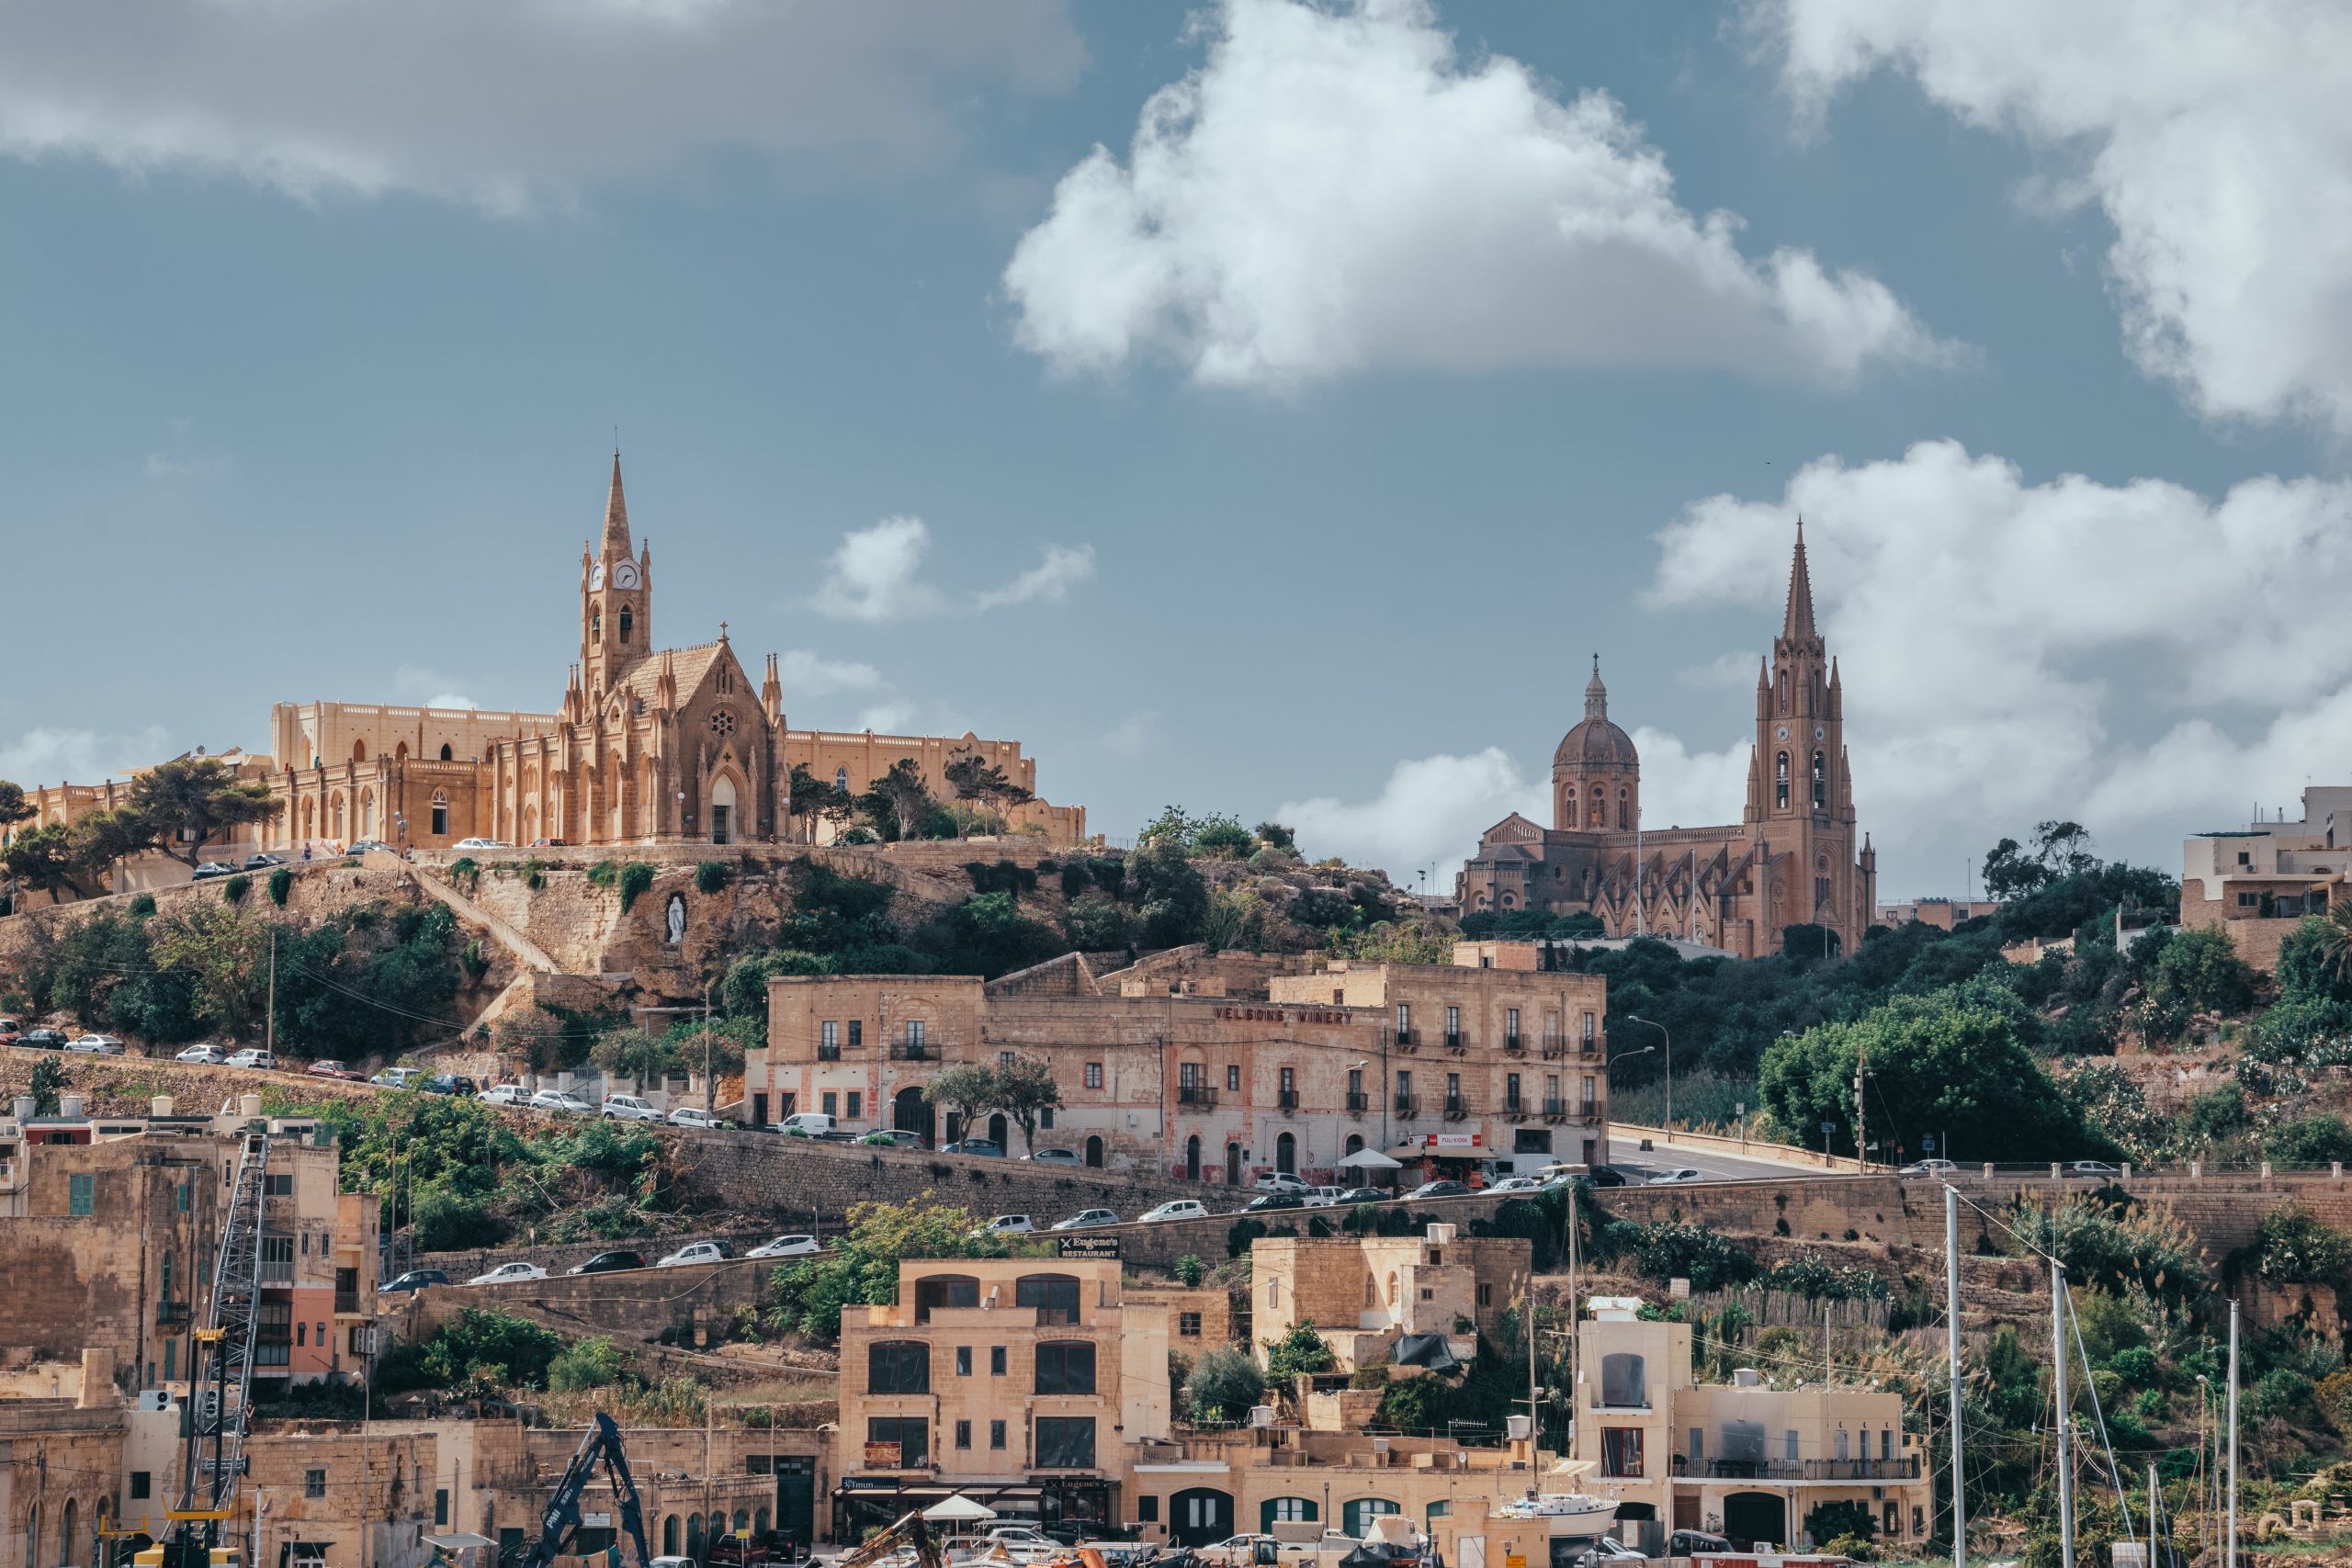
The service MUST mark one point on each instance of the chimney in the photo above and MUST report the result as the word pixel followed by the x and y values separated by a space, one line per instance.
pixel 98 1379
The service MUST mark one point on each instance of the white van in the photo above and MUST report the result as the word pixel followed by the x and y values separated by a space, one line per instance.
pixel 804 1125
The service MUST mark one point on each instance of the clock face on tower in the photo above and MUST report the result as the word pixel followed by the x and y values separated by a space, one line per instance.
pixel 624 575
pixel 1820 733
pixel 596 577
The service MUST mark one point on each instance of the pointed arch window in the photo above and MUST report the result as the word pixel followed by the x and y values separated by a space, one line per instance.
pixel 1780 780
pixel 447 755
pixel 1624 808
pixel 596 627
pixel 628 621
pixel 441 811
pixel 1820 782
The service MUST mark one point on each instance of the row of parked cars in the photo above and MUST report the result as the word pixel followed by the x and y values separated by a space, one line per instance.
pixel 1280 1189
pixel 13 1033
pixel 613 1260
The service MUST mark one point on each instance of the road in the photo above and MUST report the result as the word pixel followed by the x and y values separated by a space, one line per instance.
pixel 1639 1164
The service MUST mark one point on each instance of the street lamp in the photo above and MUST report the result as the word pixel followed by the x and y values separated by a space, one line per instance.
pixel 1662 1034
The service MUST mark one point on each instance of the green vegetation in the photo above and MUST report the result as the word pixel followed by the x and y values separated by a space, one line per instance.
pixel 635 878
pixel 1023 1091
pixel 49 1082
pixel 711 876
pixel 1222 1386
pixel 1299 1352
pixel 477 1352
pixel 862 1265
pixel 281 885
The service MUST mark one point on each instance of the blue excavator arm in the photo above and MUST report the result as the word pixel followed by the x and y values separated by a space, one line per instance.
pixel 561 1520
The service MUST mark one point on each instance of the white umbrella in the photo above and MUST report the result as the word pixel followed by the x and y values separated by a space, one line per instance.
pixel 1370 1159
pixel 958 1510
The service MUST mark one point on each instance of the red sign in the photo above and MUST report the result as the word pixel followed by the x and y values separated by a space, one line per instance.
pixel 882 1456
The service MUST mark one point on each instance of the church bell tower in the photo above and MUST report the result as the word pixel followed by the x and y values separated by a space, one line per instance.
pixel 1799 790
pixel 616 599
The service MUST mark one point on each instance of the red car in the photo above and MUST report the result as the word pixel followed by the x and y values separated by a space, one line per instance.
pixel 334 1070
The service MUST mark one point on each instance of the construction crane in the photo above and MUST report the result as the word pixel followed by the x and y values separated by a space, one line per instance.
pixel 908 1531
pixel 561 1520
pixel 220 1381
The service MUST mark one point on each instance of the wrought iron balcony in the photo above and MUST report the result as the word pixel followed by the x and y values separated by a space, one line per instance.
pixel 1516 1108
pixel 1456 1107
pixel 1408 1105
pixel 1588 1109
pixel 1358 1103
pixel 1516 1045
pixel 1555 1045
pixel 1196 1094
pixel 1407 1040
pixel 910 1051
pixel 829 1053
pixel 1556 1110
pixel 1286 1099
pixel 1456 1040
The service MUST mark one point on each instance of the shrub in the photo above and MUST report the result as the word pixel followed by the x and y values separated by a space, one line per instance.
pixel 281 885
pixel 2295 1247
pixel 1223 1384
pixel 2333 1397
pixel 1189 1270
pixel 2313 1141
pixel 234 890
pixel 535 873
pixel 141 906
pixel 636 877
pixel 2277 1393
pixel 478 1350
pixel 604 874
pixel 587 1363
pixel 465 870
pixel 711 875
pixel 1300 1350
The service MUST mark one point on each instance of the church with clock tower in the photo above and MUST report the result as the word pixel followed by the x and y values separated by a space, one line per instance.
pixel 1796 856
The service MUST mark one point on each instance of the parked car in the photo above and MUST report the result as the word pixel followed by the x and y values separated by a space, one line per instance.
pixel 397 1077
pixel 504 1094
pixel 322 1068
pixel 1281 1181
pixel 209 1056
pixel 364 845
pixel 694 1116
pixel 9 1030
pixel 549 844
pixel 97 1045
pixel 1007 1225
pixel 263 860
pixel 628 1108
pixel 1609 1548
pixel 448 1083
pixel 1928 1167
pixel 483 844
pixel 986 1146
pixel 561 1102
pixel 2096 1167
pixel 252 1056
pixel 1439 1189
pixel 785 1246
pixel 1087 1218
pixel 1177 1209
pixel 1676 1177
pixel 617 1261
pixel 509 1273
pixel 895 1138
pixel 1365 1195
pixel 1054 1157
pixel 1266 1200
pixel 42 1038
pixel 415 1279
pixel 207 870
pixel 1323 1197
pixel 1605 1176
pixel 697 1252
pixel 1691 1543
pixel 805 1125
pixel 1517 1184
pixel 1242 1551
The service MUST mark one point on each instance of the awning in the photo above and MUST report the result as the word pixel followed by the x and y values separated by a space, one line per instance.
pixel 1574 1467
pixel 1369 1159
pixel 458 1541
pixel 1429 1350
pixel 958 1509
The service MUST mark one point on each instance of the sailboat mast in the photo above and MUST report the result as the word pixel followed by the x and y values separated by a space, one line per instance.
pixel 2064 1415
pixel 2229 1547
pixel 1951 1345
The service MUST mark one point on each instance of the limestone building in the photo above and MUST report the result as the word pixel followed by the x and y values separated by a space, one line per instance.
pixel 1792 857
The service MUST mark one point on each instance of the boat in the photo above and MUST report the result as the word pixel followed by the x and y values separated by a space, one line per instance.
pixel 1581 1513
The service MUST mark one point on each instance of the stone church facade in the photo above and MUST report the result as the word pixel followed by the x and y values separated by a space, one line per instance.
pixel 1795 857
pixel 648 746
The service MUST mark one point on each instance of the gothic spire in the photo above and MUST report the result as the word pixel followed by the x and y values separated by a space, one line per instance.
pixel 1798 624
pixel 1596 695
pixel 615 516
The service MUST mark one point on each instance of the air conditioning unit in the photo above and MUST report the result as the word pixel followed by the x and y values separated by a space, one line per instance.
pixel 155 1399
pixel 1261 1416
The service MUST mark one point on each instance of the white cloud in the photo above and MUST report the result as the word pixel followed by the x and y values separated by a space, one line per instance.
pixel 1682 788
pixel 1133 736
pixel 503 103
pixel 1431 809
pixel 2139 657
pixel 429 688
pixel 806 674
pixel 50 755
pixel 1337 190
pixel 2216 138
pixel 875 574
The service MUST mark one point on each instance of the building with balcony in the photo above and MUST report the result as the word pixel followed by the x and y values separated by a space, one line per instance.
pixel 1215 1069
pixel 1410 1303
pixel 2257 881
pixel 1750 1458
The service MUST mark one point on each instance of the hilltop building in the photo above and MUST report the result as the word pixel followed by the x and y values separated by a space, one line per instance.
pixel 2256 882
pixel 1792 859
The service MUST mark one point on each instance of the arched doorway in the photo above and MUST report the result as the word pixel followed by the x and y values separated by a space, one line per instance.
pixel 1233 1165
pixel 1193 1157
pixel 722 810
pixel 359 750
pixel 1094 1151
pixel 1354 1145
pixel 1000 1131
pixel 1286 1155
pixel 694 1537
pixel 65 1533
pixel 669 1536
pixel 910 1112
pixel 1755 1515
pixel 1285 1510
pixel 1200 1515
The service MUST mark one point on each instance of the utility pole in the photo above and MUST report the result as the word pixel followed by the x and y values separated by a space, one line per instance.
pixel 2065 1415
pixel 709 1090
pixel 1951 1348
pixel 1862 1060
pixel 269 1030
pixel 2230 1548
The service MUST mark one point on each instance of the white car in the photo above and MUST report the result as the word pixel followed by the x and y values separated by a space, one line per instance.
pixel 504 1094
pixel 1055 1156
pixel 1178 1209
pixel 1281 1181
pixel 97 1045
pixel 483 844
pixel 508 1273
pixel 695 1252
pixel 1323 1197
pixel 1087 1218
pixel 1007 1225
pixel 629 1108
pixel 693 1116
pixel 785 1246
pixel 561 1102
pixel 1675 1178
pixel 252 1056
pixel 1517 1184
pixel 397 1077
pixel 208 1054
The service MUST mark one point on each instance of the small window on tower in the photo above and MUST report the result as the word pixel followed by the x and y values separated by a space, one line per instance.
pixel 1820 782
pixel 1780 780
pixel 596 627
pixel 628 619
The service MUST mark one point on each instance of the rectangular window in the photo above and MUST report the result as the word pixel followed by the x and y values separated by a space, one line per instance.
pixel 857 1032
pixel 1621 1452
pixel 1404 1020
pixel 996 1360
pixel 1788 1439
pixel 1004 1059
pixel 1233 1079
pixel 1066 1368
pixel 1148 1509
pixel 1094 1075
pixel 1511 1024
pixel 1697 1449
pixel 1355 1085
pixel 831 1101
pixel 1453 1086
pixel 828 1034
pixel 1590 1022
pixel 914 1032
pixel 1886 1442
pixel 183 1195
pixel 169 1347
pixel 963 1360
pixel 996 1435
pixel 1046 1119
pixel 81 1194
pixel 963 1434
pixel 142 1484
pixel 897 1366
pixel 1454 1022
pixel 1188 1324
pixel 911 1433
pixel 856 1105
pixel 440 1505
pixel 1511 1093
pixel 1289 1080
pixel 278 1184
pixel 314 1484
pixel 1066 1442
pixel 1405 1083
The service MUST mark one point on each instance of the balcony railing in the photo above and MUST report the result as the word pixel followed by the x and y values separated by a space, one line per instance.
pixel 268 1272
pixel 829 1053
pixel 1589 1045
pixel 1408 1105
pixel 1905 1468
pixel 1515 1108
pixel 346 1302
pixel 1556 1110
pixel 168 1312
pixel 1588 1109
pixel 1456 1040
pixel 1555 1045
pixel 1516 1045
pixel 910 1051
pixel 1198 1094
pixel 1286 1099
pixel 1359 1103
pixel 1456 1107
pixel 1407 1040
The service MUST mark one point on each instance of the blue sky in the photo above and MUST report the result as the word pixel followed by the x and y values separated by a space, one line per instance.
pixel 1293 461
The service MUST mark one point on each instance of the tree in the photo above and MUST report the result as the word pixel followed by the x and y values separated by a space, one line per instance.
pixel 1024 1091
pixel 863 1264
pixel 976 778
pixel 2309 1142
pixel 1843 1520
pixel 635 1055
pixel 43 859
pixel 1220 837
pixel 809 796
pixel 964 1090
pixel 1274 836
pixel 1097 925
pixel 2317 955
pixel 98 840
pixel 1297 1353
pixel 1223 1385
pixel 187 802
pixel 48 1081
pixel 897 799
pixel 225 956
pixel 1175 897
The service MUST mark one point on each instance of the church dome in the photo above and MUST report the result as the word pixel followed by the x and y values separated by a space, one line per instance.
pixel 1596 742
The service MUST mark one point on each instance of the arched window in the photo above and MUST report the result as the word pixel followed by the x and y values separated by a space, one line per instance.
pixel 596 627
pixel 447 754
pixel 441 824
pixel 1624 808
pixel 948 1291
pixel 629 624
pixel 1622 1380
pixel 1286 1155
pixel 1065 1367
pixel 840 778
pixel 359 750
pixel 1820 782
pixel 400 753
pixel 1353 1146
pixel 1055 1296
pixel 669 1536
pixel 759 1523
pixel 65 1529
pixel 897 1366
pixel 694 1537
pixel 1780 778
pixel 1357 1512
pixel 1569 806
pixel 1094 1151
pixel 742 1519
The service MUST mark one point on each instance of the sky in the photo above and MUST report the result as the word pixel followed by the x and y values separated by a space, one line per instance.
pixel 1263 407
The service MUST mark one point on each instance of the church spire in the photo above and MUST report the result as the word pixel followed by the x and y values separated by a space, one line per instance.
pixel 1798 624
pixel 1596 695
pixel 615 516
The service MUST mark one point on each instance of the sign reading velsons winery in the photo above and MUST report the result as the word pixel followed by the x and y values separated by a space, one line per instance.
pixel 1087 1246
pixel 1287 1015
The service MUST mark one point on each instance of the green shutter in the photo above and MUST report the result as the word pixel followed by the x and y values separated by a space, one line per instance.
pixel 81 1194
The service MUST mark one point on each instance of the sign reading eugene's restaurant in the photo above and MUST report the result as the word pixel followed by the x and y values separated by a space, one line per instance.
pixel 1288 1015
